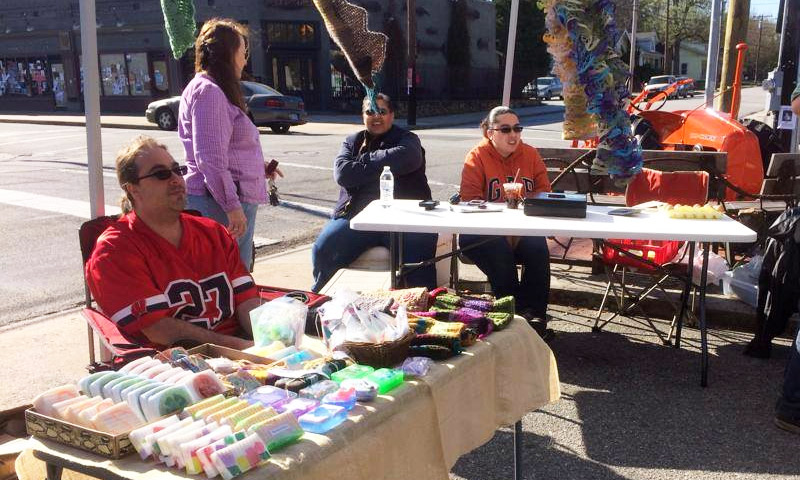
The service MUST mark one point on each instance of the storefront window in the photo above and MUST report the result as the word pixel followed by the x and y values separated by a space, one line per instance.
pixel 113 75
pixel 138 75
pixel 59 84
pixel 160 76
pixel 25 76
pixel 296 34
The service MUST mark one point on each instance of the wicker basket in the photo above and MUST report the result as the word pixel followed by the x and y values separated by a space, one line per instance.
pixel 379 355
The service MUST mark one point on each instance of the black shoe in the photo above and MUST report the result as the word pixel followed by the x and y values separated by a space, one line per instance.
pixel 788 423
pixel 758 349
pixel 540 326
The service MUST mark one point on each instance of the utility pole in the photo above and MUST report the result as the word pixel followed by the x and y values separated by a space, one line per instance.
pixel 411 10
pixel 735 33
pixel 512 43
pixel 758 46
pixel 713 51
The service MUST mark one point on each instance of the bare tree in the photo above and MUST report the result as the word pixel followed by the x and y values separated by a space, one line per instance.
pixel 675 21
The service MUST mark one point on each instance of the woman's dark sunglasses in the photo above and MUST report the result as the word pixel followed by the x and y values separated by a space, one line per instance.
pixel 380 111
pixel 166 174
pixel 506 129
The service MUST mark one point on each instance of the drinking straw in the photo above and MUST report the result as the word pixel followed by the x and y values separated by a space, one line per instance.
pixel 517 175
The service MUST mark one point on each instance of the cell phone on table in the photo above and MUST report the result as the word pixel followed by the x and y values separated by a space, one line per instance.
pixel 271 166
pixel 624 212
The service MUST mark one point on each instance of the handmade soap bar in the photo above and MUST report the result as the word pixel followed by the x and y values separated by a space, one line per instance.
pixel 240 457
pixel 268 395
pixel 117 419
pixel 172 442
pixel 323 418
pixel 118 387
pixel 226 412
pixel 240 415
pixel 216 407
pixel 203 384
pixel 386 379
pixel 265 351
pixel 43 403
pixel 189 449
pixel 150 443
pixel 96 387
pixel 163 376
pixel 153 371
pixel 204 454
pixel 278 431
pixel 170 400
pixel 137 436
pixel 319 389
pixel 83 383
pixel 60 408
pixel 85 416
pixel 105 390
pixel 131 365
pixel 298 406
pixel 298 358
pixel 164 442
pixel 416 366
pixel 353 371
pixel 344 397
pixel 366 391
pixel 264 413
pixel 72 411
pixel 138 369
pixel 203 404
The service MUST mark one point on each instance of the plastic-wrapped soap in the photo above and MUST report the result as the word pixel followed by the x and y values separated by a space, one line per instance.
pixel 43 403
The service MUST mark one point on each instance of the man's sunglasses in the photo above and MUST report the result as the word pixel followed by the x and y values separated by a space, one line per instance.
pixel 371 112
pixel 506 129
pixel 166 174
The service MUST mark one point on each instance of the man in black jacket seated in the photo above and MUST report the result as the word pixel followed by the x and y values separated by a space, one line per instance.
pixel 357 169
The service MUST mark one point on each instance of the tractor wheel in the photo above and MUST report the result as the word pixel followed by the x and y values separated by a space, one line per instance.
pixel 645 134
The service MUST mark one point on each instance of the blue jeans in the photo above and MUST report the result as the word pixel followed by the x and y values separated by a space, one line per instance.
pixel 209 207
pixel 498 261
pixel 337 246
pixel 789 401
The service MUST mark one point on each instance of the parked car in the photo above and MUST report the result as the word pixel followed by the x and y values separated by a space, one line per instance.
pixel 687 89
pixel 266 107
pixel 548 87
pixel 658 84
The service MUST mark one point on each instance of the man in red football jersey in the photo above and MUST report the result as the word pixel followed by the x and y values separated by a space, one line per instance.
pixel 162 275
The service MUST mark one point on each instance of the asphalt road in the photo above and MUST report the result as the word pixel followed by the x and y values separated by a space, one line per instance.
pixel 44 194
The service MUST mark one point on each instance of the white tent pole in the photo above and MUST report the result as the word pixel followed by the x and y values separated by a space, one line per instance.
pixel 713 53
pixel 512 40
pixel 91 98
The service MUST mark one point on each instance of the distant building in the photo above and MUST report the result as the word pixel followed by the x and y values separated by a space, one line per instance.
pixel 40 51
pixel 693 60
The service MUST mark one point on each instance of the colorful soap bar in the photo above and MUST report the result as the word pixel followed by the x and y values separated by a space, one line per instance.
pixel 163 444
pixel 171 443
pixel 319 389
pixel 323 418
pixel 216 407
pixel 386 379
pixel 240 457
pixel 278 431
pixel 117 419
pixel 96 387
pixel 85 416
pixel 264 413
pixel 170 400
pixel 43 403
pixel 83 383
pixel 72 411
pixel 203 404
pixel 353 371
pixel 204 454
pixel 298 406
pixel 344 397
pixel 105 390
pixel 226 412
pixel 149 444
pixel 268 395
pixel 119 386
pixel 189 449
pixel 59 409
pixel 137 436
pixel 240 415
pixel 203 385
pixel 366 391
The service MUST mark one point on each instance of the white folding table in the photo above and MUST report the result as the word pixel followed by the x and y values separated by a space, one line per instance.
pixel 407 216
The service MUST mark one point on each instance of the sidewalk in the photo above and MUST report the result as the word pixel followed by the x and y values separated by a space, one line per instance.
pixel 136 121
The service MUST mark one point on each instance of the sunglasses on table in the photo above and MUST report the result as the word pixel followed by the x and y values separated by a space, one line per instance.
pixel 166 173
pixel 371 112
pixel 506 129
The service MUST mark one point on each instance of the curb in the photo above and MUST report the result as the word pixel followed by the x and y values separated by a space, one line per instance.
pixel 77 123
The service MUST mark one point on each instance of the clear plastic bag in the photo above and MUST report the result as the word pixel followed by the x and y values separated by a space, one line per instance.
pixel 282 319
pixel 717 266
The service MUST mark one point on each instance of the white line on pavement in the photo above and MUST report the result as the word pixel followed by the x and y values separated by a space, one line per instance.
pixel 20 134
pixel 37 139
pixel 65 206
pixel 304 165
pixel 83 172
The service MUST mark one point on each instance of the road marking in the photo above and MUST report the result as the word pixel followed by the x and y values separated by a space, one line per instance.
pixel 304 165
pixel 308 207
pixel 47 132
pixel 84 172
pixel 41 139
pixel 65 206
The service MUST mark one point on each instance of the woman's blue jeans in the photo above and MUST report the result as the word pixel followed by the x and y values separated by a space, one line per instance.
pixel 337 246
pixel 498 261
pixel 208 207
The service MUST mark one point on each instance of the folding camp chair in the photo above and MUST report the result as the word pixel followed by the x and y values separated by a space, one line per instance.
pixel 661 260
pixel 115 347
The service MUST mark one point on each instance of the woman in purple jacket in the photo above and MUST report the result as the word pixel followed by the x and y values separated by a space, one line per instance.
pixel 226 179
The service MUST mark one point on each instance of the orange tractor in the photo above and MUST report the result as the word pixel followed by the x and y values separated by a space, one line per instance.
pixel 703 129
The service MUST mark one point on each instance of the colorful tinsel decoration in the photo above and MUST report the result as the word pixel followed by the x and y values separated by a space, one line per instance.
pixel 582 35
pixel 365 50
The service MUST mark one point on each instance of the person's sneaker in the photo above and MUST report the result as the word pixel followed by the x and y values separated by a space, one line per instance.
pixel 789 423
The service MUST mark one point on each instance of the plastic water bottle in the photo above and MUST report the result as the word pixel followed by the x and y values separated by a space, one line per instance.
pixel 387 187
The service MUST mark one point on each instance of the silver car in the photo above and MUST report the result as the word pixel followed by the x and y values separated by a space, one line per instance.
pixel 547 87
pixel 266 107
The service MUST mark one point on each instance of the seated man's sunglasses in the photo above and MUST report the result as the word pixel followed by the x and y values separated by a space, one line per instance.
pixel 166 174
pixel 371 112
pixel 506 129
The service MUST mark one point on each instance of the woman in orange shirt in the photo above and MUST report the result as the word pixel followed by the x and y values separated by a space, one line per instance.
pixel 494 161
